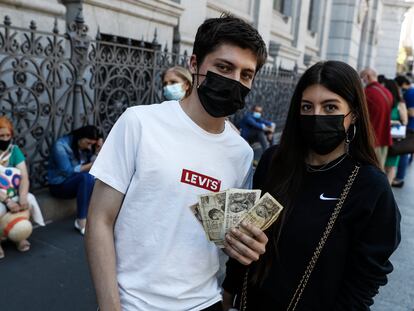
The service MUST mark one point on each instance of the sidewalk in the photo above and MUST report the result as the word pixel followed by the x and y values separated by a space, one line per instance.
pixel 54 275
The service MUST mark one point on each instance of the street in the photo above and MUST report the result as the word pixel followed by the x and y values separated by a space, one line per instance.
pixel 54 275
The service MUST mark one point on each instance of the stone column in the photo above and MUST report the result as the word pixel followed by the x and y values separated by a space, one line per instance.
pixel 388 36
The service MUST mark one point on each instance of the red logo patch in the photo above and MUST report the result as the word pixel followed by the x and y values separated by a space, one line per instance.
pixel 200 180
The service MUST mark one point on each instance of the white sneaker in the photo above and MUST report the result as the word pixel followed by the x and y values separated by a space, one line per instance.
pixel 77 227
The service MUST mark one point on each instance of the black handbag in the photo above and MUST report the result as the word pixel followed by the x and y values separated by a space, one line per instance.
pixel 402 146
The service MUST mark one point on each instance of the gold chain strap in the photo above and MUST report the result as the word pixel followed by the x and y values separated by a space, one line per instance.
pixel 302 284
pixel 243 297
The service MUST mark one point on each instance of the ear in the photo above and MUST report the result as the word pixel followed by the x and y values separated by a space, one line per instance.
pixel 193 64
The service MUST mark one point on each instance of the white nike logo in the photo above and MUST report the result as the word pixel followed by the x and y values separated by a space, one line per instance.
pixel 322 197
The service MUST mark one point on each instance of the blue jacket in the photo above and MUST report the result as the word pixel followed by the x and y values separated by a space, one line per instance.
pixel 62 161
pixel 250 123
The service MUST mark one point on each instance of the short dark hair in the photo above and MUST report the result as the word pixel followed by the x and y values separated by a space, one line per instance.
pixel 402 80
pixel 232 30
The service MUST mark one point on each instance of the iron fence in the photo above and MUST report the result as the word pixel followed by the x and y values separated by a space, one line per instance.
pixel 51 83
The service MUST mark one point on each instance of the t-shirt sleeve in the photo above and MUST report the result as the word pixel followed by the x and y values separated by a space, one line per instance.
pixel 409 98
pixel 116 162
pixel 375 240
pixel 16 157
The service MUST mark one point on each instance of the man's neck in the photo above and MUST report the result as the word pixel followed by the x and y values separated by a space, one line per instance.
pixel 193 108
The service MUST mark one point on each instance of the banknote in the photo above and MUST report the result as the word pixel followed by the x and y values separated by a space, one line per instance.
pixel 238 203
pixel 264 213
pixel 195 209
pixel 212 215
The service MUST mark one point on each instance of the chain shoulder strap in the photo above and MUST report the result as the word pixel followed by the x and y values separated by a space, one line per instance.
pixel 311 265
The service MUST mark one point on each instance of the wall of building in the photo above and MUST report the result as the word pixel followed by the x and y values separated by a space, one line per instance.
pixel 43 12
pixel 359 32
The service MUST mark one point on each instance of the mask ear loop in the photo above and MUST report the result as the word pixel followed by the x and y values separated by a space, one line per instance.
pixel 349 139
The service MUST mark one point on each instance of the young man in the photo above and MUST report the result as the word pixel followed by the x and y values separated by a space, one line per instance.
pixel 145 248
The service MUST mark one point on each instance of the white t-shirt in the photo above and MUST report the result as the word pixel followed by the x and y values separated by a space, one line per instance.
pixel 161 160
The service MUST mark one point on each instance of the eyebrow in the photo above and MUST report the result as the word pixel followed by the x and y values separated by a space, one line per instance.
pixel 231 64
pixel 323 102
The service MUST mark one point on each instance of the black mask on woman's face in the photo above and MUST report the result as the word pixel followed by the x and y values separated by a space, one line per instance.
pixel 321 133
pixel 221 96
pixel 4 144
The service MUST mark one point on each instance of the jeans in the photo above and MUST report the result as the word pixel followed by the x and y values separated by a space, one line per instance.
pixel 79 185
pixel 402 166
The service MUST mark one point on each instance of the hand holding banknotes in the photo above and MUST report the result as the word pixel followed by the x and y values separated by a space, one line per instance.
pixel 235 220
pixel 246 246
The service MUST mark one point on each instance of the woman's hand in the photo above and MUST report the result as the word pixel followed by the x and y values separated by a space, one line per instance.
pixel 13 206
pixel 24 204
pixel 245 248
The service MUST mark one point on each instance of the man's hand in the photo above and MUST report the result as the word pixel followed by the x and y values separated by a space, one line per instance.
pixel 245 248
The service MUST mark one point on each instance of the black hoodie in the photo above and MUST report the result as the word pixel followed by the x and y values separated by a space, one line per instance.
pixel 354 261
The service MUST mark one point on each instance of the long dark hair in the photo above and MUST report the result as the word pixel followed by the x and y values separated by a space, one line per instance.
pixel 287 167
pixel 88 131
pixel 392 86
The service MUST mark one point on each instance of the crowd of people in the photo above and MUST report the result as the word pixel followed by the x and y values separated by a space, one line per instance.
pixel 329 249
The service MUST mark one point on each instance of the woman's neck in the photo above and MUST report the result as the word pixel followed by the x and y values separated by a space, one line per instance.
pixel 315 159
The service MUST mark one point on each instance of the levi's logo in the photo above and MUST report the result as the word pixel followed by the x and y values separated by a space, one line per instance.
pixel 200 180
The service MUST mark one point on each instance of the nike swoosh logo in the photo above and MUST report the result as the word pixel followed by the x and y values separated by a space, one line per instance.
pixel 322 197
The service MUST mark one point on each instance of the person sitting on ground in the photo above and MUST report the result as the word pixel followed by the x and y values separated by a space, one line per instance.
pixel 177 83
pixel 69 164
pixel 14 183
pixel 255 129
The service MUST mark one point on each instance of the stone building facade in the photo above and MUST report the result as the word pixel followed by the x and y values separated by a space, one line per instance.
pixel 297 32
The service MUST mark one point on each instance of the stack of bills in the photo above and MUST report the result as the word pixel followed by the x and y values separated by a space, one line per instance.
pixel 219 212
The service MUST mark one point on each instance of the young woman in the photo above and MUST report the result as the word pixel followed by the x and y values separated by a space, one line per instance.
pixel 70 160
pixel 14 183
pixel 176 82
pixel 399 116
pixel 325 160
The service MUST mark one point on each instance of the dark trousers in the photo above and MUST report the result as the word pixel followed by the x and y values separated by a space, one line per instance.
pixel 79 186
pixel 216 307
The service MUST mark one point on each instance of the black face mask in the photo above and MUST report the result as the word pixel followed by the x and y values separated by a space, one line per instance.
pixel 322 134
pixel 4 144
pixel 221 96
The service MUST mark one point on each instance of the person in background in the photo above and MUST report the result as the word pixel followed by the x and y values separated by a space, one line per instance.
pixel 325 159
pixel 379 101
pixel 399 116
pixel 254 128
pixel 408 95
pixel 68 171
pixel 177 83
pixel 14 185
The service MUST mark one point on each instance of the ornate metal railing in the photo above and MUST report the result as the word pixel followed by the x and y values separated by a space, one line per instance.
pixel 51 83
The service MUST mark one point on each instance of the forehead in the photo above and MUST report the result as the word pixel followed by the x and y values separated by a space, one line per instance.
pixel 171 75
pixel 241 58
pixel 318 93
pixel 5 131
